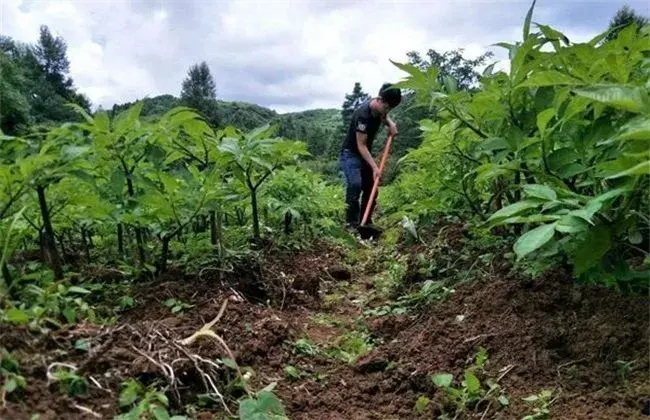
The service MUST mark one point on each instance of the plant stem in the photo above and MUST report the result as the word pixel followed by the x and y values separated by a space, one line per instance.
pixel 50 247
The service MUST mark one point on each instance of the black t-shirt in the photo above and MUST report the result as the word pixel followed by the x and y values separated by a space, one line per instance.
pixel 364 122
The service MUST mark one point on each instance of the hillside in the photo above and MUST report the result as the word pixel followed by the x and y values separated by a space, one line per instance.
pixel 315 127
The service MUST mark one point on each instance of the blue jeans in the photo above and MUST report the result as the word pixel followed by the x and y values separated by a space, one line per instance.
pixel 359 180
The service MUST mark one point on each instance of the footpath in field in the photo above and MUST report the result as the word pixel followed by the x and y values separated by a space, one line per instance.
pixel 337 346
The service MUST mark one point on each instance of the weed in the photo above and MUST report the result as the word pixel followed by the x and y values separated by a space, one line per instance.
pixel 126 302
pixel 350 346
pixel 623 368
pixel 10 373
pixel 305 347
pixel 422 404
pixel 542 402
pixel 143 402
pixel 70 383
pixel 262 405
pixel 292 373
pixel 176 305
pixel 470 394
pixel 429 292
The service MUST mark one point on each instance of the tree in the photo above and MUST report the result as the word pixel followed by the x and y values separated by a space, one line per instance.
pixel 50 52
pixel 14 106
pixel 451 64
pixel 199 91
pixel 624 17
pixel 352 101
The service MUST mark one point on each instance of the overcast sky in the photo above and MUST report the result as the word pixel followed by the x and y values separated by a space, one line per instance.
pixel 286 55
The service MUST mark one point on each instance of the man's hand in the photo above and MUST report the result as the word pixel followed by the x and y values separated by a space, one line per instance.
pixel 392 129
pixel 375 172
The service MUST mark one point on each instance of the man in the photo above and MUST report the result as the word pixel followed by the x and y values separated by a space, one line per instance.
pixel 357 163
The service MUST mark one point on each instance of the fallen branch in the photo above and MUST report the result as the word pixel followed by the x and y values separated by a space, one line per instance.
pixel 87 410
pixel 206 329
pixel 51 378
pixel 469 340
pixel 506 371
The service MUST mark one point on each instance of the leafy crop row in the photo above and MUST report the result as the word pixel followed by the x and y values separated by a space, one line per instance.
pixel 556 149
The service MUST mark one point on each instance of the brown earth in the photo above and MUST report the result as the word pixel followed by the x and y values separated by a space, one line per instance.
pixel 539 334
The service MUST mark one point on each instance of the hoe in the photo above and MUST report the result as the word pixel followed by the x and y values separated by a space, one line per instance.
pixel 364 230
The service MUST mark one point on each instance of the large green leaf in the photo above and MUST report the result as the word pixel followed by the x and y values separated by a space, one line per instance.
pixel 591 249
pixel 539 191
pixel 549 78
pixel 17 316
pixel 265 407
pixel 543 118
pixel 552 34
pixel 642 168
pixel 628 98
pixel 571 224
pixel 610 194
pixel 560 158
pixel 529 17
pixel 494 143
pixel 636 129
pixel 533 239
pixel 126 120
pixel 472 383
pixel 514 209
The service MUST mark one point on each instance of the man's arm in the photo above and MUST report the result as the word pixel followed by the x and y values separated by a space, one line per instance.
pixel 363 149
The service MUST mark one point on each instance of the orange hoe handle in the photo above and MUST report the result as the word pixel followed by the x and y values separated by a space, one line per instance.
pixel 375 186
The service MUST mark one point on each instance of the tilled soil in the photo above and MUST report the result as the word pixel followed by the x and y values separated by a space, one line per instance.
pixel 539 334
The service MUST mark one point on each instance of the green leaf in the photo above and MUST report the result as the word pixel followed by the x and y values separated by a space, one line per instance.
pixel 125 120
pixel 539 191
pixel 543 118
pixel 549 78
pixel 11 385
pixel 635 238
pixel 443 380
pixel 636 129
pixel 17 316
pixel 610 194
pixel 422 404
pixel 535 218
pixel 571 224
pixel 70 315
pixel 160 413
pixel 529 17
pixel 494 143
pixel 531 399
pixel 229 363
pixel 552 34
pixel 503 400
pixel 77 289
pixel 265 407
pixel 628 98
pixel 129 393
pixel 82 344
pixel 591 249
pixel 533 239
pixel 642 168
pixel 488 70
pixel 514 209
pixel 472 383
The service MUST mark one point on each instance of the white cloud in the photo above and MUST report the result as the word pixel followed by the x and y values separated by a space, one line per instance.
pixel 286 55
